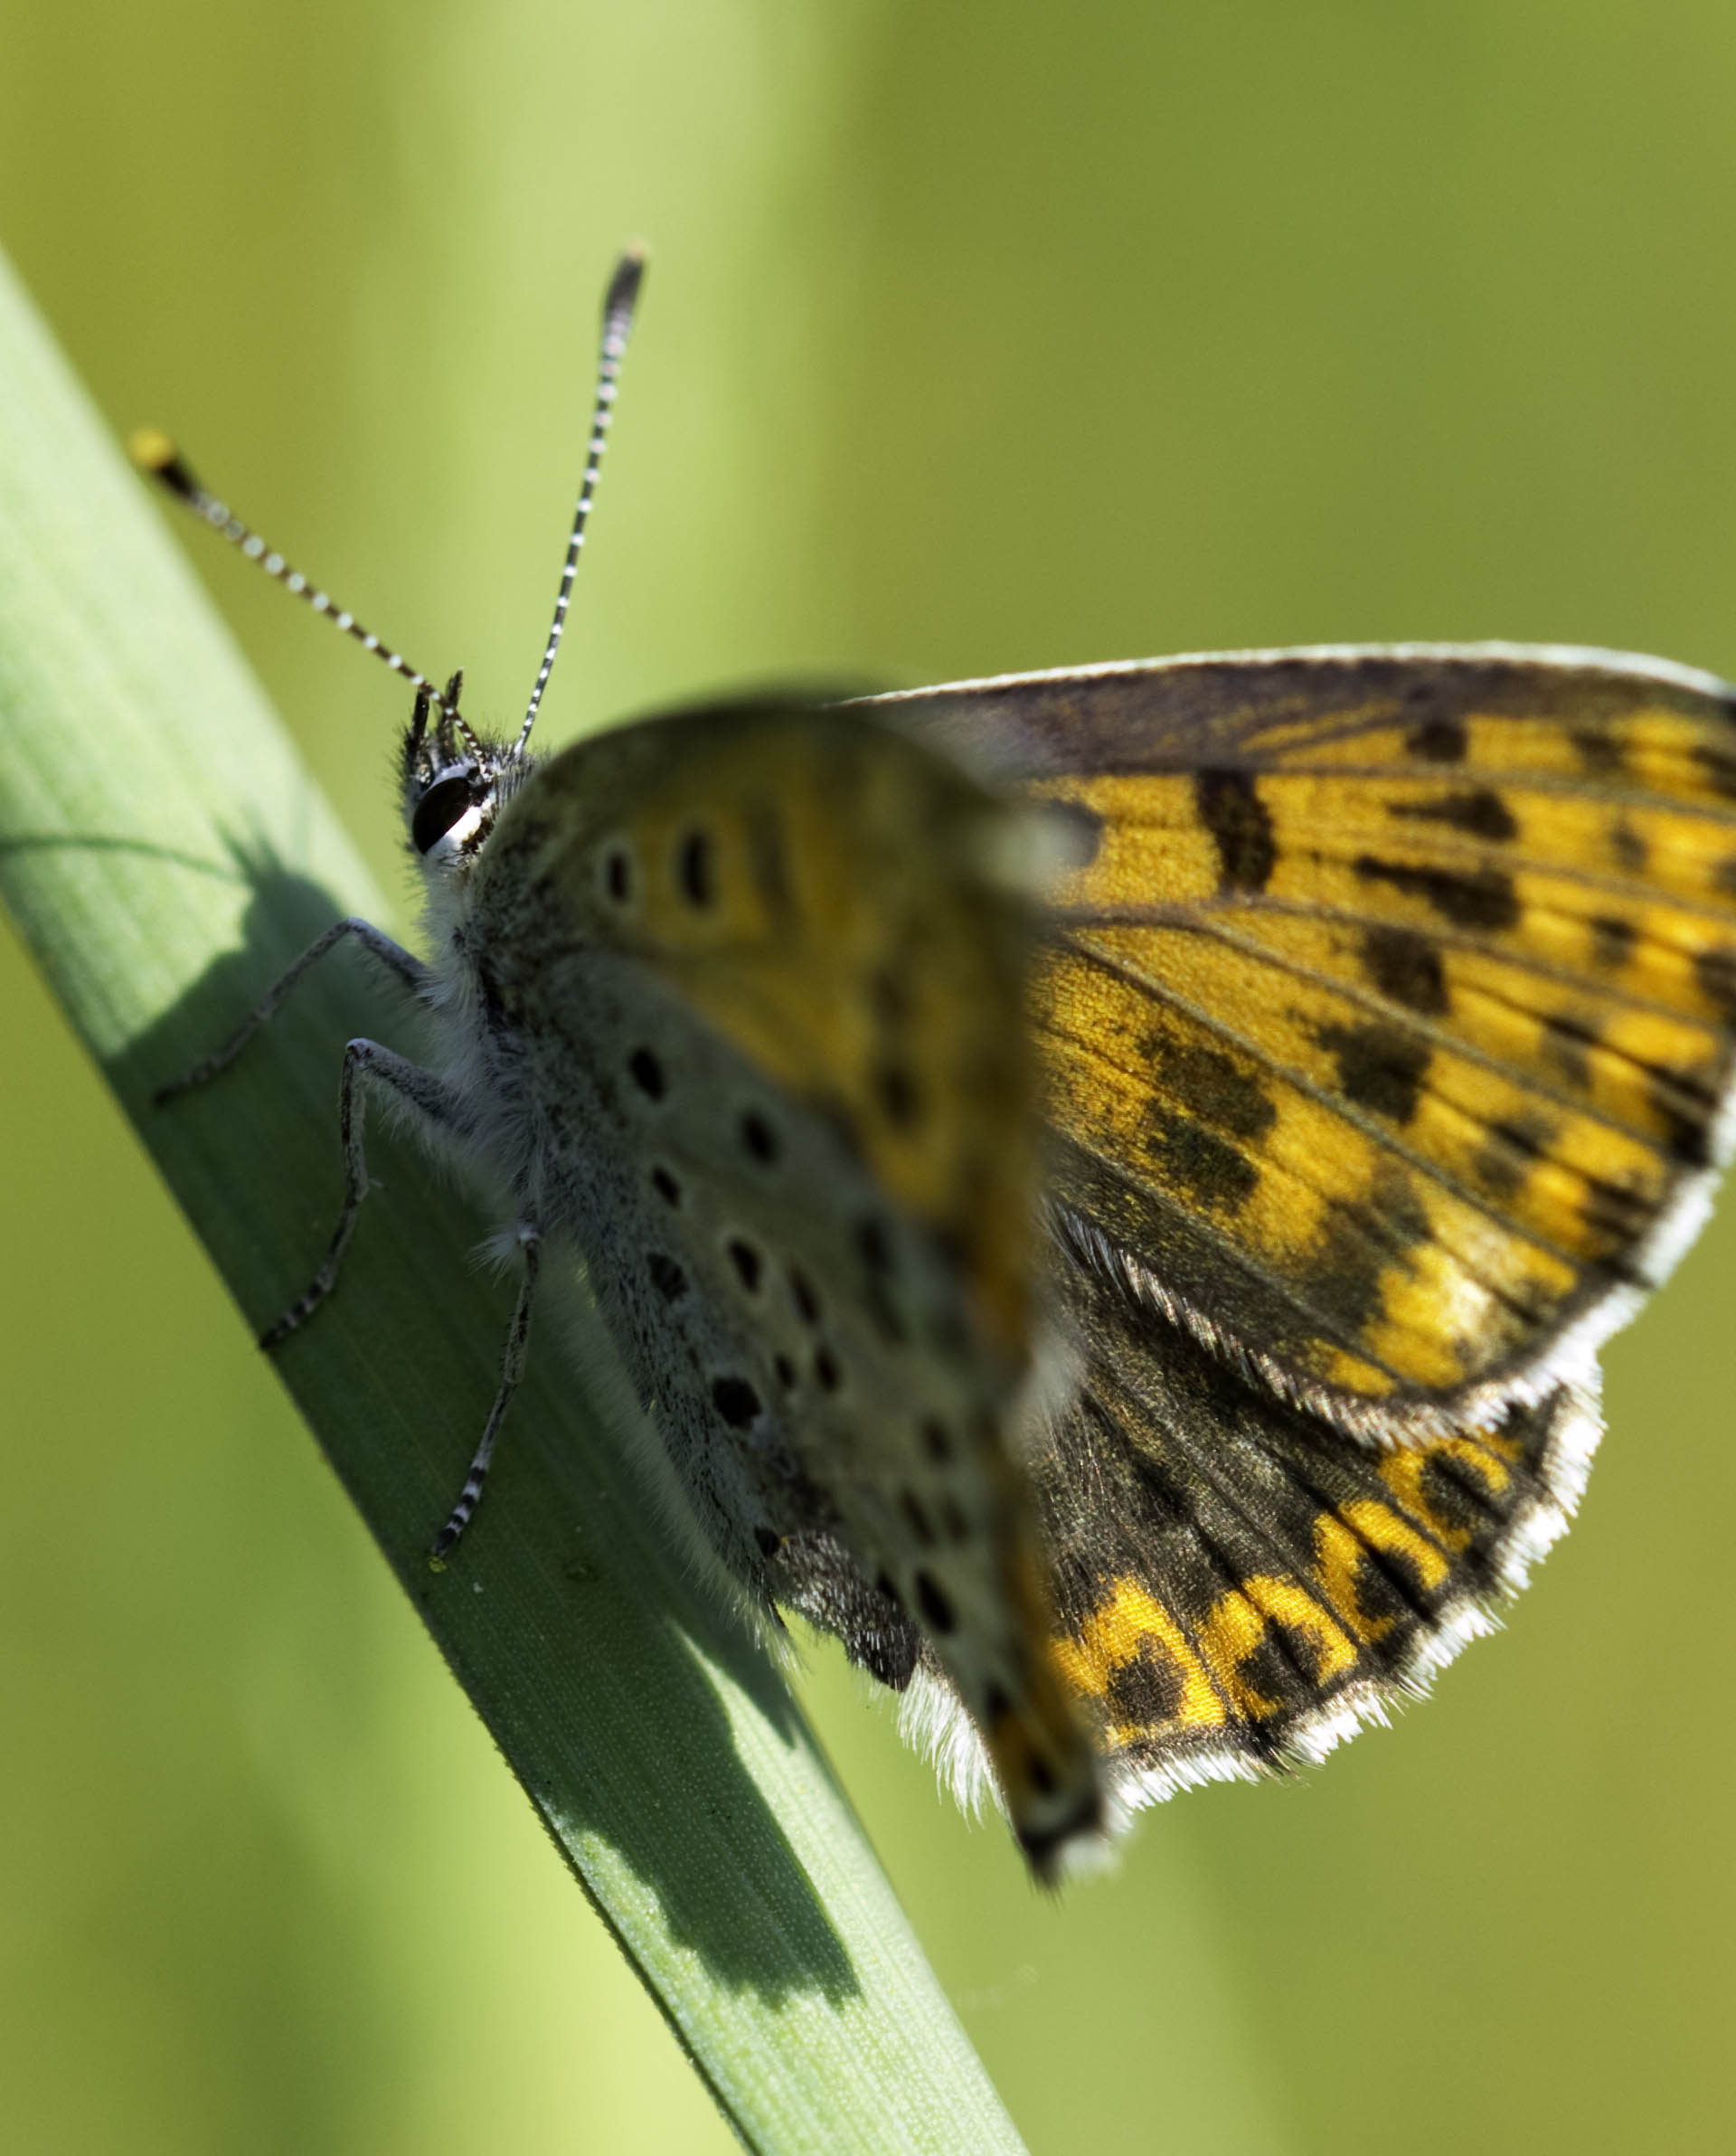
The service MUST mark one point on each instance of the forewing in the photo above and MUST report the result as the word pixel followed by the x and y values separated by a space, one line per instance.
pixel 786 943
pixel 1385 1017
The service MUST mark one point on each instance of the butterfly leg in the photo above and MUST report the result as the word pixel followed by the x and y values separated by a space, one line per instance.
pixel 424 1100
pixel 512 1369
pixel 409 970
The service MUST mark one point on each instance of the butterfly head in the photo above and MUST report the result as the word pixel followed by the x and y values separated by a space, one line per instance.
pixel 455 784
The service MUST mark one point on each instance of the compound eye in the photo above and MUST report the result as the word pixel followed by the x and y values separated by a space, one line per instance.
pixel 448 800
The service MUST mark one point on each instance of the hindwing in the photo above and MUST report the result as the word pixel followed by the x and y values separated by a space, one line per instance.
pixel 1237 1583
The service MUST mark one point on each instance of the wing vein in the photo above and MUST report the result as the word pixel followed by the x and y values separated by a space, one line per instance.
pixel 1236 1254
pixel 1334 1104
pixel 1196 914
pixel 1440 1037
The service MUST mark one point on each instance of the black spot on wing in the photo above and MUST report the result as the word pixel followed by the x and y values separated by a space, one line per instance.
pixel 1612 941
pixel 1146 1690
pixel 1211 1085
pixel 647 1073
pixel 1511 1151
pixel 1357 1244
pixel 736 1401
pixel 1480 815
pixel 1687 1129
pixel 1214 1173
pixel 759 1138
pixel 1620 1212
pixel 1630 849
pixel 1406 967
pixel 936 1610
pixel 1283 1665
pixel 1450 1498
pixel 1715 971
pixel 1601 753
pixel 1566 1046
pixel 1382 1599
pixel 1242 828
pixel 896 1093
pixel 1438 741
pixel 1718 764
pixel 696 867
pixel 1481 898
pixel 1205 1100
pixel 618 874
pixel 1379 1067
pixel 1043 1777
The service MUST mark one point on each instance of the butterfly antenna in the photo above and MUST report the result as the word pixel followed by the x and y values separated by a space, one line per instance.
pixel 619 303
pixel 155 455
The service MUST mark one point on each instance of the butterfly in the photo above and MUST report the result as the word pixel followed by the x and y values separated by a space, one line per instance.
pixel 1111 1182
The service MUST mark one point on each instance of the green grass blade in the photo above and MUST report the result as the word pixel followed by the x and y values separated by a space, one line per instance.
pixel 165 855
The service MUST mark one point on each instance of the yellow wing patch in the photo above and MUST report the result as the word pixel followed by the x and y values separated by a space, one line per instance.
pixel 1405 1038
pixel 1129 1626
pixel 816 889
pixel 1195 1676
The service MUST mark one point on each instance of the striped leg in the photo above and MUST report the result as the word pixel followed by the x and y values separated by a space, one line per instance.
pixel 409 970
pixel 367 1063
pixel 512 1369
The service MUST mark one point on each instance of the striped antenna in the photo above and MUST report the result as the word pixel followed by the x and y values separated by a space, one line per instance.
pixel 619 303
pixel 155 454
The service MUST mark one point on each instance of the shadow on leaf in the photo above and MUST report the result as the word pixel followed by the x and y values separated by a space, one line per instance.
pixel 601 1671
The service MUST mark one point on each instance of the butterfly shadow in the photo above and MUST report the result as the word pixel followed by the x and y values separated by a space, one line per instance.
pixel 607 1677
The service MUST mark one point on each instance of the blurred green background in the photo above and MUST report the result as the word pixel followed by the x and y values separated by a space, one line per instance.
pixel 977 337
